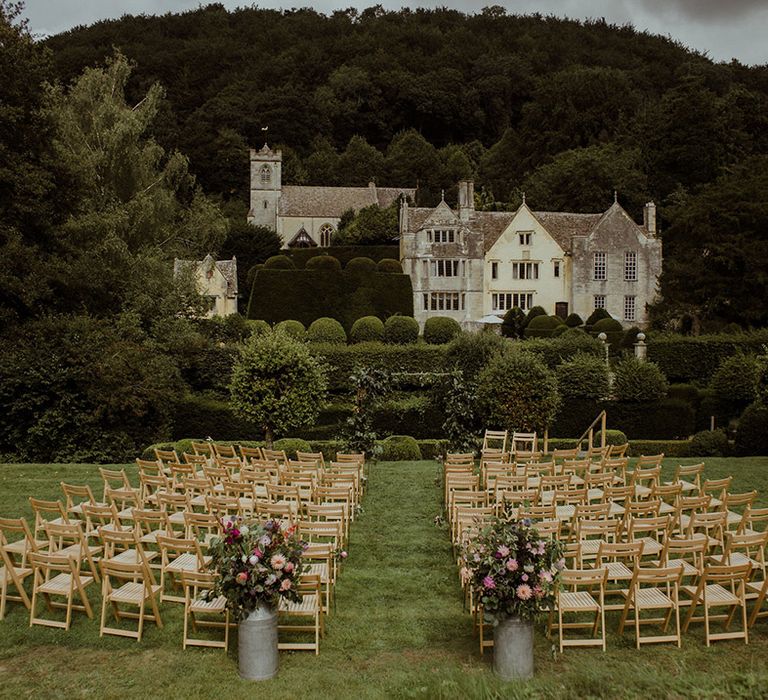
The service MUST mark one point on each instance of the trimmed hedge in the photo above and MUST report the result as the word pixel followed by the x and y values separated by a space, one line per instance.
pixel 367 329
pixel 612 328
pixel 344 253
pixel 390 266
pixel 306 295
pixel 710 443
pixel 612 437
pixel 324 262
pixel 667 419
pixel 669 448
pixel 326 330
pixel 543 326
pixel 439 330
pixel 400 448
pixel 203 417
pixel 291 446
pixel 361 266
pixel 556 350
pixel 752 432
pixel 279 262
pixel 401 330
pixel 293 328
pixel 573 321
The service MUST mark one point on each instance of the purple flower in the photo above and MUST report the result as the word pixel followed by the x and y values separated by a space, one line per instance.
pixel 489 583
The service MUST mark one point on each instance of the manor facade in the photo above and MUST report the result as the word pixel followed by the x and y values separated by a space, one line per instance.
pixel 467 264
pixel 306 216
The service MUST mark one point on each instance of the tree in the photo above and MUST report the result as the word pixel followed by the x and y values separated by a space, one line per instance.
pixel 277 384
pixel 360 163
pixel 411 159
pixel 370 226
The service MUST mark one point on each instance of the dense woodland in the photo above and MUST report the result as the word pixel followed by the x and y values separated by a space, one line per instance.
pixel 124 145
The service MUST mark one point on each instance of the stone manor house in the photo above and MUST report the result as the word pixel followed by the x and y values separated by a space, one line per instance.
pixel 468 264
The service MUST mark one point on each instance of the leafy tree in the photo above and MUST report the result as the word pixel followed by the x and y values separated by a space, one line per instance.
pixel 634 380
pixel 322 164
pixel 369 386
pixel 360 163
pixel 277 384
pixel 459 401
pixel 370 226
pixel 471 352
pixel 412 160
pixel 583 377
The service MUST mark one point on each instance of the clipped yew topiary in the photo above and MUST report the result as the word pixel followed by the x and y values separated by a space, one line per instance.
pixel 634 380
pixel 367 328
pixel 533 312
pixel 323 262
pixel 279 262
pixel 574 321
pixel 294 329
pixel 326 330
pixel 542 326
pixel 597 315
pixel 291 446
pixel 752 431
pixel 612 329
pixel 514 323
pixel 612 437
pixel 710 443
pixel 439 330
pixel 361 265
pixel 583 377
pixel 258 327
pixel 401 330
pixel 390 266
pixel 400 448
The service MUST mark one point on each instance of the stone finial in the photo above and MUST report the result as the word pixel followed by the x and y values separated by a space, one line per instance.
pixel 523 196
pixel 615 196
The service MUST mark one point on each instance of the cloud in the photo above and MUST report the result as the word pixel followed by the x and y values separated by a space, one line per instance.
pixel 707 10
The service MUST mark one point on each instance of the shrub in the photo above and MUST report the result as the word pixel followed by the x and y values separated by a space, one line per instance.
pixel 684 392
pixel 294 329
pixel 574 321
pixel 326 330
pixel 612 437
pixel 514 323
pixel 638 381
pixel 752 430
pixel 345 253
pixel 574 415
pixel 597 315
pixel 471 352
pixel 710 443
pixel 735 383
pixel 557 332
pixel 400 448
pixel 583 376
pixel 556 350
pixel 612 329
pixel 291 446
pixel 667 419
pixel 361 265
pixel 259 327
pixel 279 262
pixel 200 417
pixel 365 329
pixel 533 312
pixel 517 391
pixel 542 326
pixel 439 330
pixel 401 330
pixel 390 266
pixel 324 262
pixel 629 338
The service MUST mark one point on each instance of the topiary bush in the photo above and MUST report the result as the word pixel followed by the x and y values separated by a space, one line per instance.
pixel 710 443
pixel 542 326
pixel 259 327
pixel 560 330
pixel 612 437
pixel 612 329
pixel 279 262
pixel 367 328
pixel 583 377
pixel 401 330
pixel 574 321
pixel 439 330
pixel 323 262
pixel 634 380
pixel 326 330
pixel 514 323
pixel 629 337
pixel 684 392
pixel 291 446
pixel 400 448
pixel 361 265
pixel 735 383
pixel 294 329
pixel 533 312
pixel 390 266
pixel 597 315
pixel 471 352
pixel 752 430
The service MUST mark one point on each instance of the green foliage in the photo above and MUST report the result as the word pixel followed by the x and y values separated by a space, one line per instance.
pixel 361 265
pixel 295 329
pixel 259 327
pixel 367 329
pixel 583 377
pixel 612 329
pixel 369 386
pixel 200 417
pixel 533 312
pixel 470 352
pixel 735 381
pixel 461 426
pixel 638 381
pixel 390 266
pixel 666 419
pixel 514 323
pixel 323 262
pixel 439 330
pixel 556 350
pixel 251 245
pixel 279 262
pixel 372 225
pixel 752 430
pixel 710 443
pixel 629 337
pixel 574 321
pixel 684 392
pixel 301 256
pixel 292 446
pixel 542 326
pixel 612 437
pixel 326 330
pixel 517 391
pixel 597 315
pixel 400 448
pixel 277 384
pixel 307 295
pixel 401 330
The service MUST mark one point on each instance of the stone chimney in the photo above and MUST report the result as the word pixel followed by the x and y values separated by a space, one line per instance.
pixel 649 218
pixel 466 199
pixel 403 215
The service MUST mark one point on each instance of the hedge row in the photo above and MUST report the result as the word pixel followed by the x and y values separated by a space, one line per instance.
pixel 343 253
pixel 695 359
pixel 306 295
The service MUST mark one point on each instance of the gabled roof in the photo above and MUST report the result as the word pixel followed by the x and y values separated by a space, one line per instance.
pixel 228 269
pixel 563 226
pixel 302 240
pixel 332 202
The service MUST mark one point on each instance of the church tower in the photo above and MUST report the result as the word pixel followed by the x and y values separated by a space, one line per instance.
pixel 266 185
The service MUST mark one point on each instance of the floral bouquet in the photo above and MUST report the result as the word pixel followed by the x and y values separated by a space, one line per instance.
pixel 257 564
pixel 511 570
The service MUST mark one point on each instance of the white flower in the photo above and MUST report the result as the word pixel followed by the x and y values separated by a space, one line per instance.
pixel 253 560
pixel 243 559
pixel 244 530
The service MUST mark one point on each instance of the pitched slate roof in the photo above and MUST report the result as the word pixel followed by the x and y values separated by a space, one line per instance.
pixel 563 226
pixel 228 268
pixel 300 200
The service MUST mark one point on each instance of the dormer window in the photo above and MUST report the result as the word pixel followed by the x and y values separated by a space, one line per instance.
pixel 441 235
pixel 266 174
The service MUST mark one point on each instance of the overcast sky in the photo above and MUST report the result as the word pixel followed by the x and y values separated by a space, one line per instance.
pixel 724 29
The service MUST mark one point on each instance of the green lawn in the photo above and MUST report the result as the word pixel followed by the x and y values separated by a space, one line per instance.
pixel 399 630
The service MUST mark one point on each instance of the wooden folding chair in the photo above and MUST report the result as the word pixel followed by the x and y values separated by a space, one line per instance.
pixel 47 512
pixel 495 439
pixel 306 616
pixel 166 457
pixel 689 478
pixel 197 610
pixel 226 451
pixel 76 496
pixel 56 576
pixel 720 586
pixel 178 555
pixel 653 589
pixel 136 588
pixel 717 489
pixel 69 540
pixel 686 554
pixel 203 448
pixel 570 599
pixel 247 454
pixel 620 560
pixel 13 572
pixel 117 483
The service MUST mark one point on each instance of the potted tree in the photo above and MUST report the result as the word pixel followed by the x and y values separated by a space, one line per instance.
pixel 258 564
pixel 513 574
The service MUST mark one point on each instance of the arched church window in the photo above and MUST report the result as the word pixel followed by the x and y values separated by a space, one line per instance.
pixel 326 233
pixel 266 174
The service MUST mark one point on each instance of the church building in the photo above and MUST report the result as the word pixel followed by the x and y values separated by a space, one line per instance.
pixel 306 216
pixel 467 264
